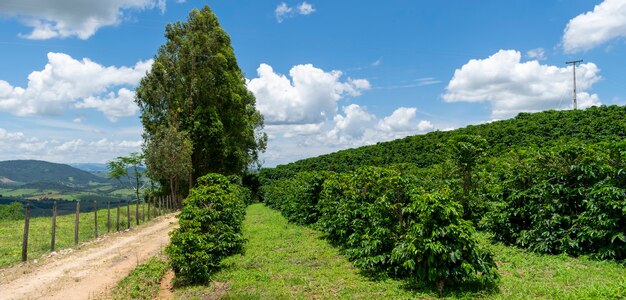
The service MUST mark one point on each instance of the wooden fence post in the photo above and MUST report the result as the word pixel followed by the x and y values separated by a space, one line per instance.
pixel 117 220
pixel 143 211
pixel 149 209
pixel 76 222
pixel 108 216
pixel 95 219
pixel 128 213
pixel 137 212
pixel 54 225
pixel 25 240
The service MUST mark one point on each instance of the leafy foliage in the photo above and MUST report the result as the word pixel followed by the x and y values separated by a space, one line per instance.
pixel 168 156
pixel 566 199
pixel 383 221
pixel 210 228
pixel 13 211
pixel 195 83
pixel 439 245
pixel 547 128
pixel 119 169
pixel 297 197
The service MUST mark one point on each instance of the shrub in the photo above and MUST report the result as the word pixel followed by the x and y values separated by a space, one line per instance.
pixel 439 245
pixel 297 197
pixel 384 223
pixel 362 212
pixel 13 211
pixel 210 228
pixel 566 199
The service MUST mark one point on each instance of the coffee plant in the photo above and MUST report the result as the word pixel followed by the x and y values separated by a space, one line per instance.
pixel 210 228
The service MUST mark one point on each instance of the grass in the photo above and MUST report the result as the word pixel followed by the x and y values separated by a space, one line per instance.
pixel 11 232
pixel 534 276
pixel 19 192
pixel 143 282
pixel 286 261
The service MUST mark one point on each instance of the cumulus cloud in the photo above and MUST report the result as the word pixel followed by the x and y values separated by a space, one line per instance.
pixel 17 145
pixel 357 127
pixel 283 11
pixel 113 105
pixel 512 86
pixel 607 21
pixel 305 8
pixel 72 18
pixel 351 125
pixel 309 97
pixel 537 53
pixel 65 80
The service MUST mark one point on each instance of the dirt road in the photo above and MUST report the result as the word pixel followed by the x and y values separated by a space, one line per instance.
pixel 89 271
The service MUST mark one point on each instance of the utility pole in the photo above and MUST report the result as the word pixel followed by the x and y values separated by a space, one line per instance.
pixel 573 63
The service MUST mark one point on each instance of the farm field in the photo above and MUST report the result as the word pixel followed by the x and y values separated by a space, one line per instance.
pixel 286 261
pixel 41 227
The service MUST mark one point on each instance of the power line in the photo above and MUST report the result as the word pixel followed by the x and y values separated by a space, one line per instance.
pixel 574 63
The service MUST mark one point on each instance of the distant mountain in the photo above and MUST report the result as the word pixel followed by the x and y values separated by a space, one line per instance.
pixel 91 167
pixel 36 171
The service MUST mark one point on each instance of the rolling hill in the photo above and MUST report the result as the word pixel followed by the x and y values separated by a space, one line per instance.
pixel 36 171
pixel 542 129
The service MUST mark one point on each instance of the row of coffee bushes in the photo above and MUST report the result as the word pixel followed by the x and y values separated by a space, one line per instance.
pixel 386 222
pixel 565 199
pixel 210 228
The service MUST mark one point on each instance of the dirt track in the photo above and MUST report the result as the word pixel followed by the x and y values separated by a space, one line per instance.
pixel 89 271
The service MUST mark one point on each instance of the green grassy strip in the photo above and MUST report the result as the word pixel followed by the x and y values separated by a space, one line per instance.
pixel 143 282
pixel 286 261
pixel 11 232
pixel 527 275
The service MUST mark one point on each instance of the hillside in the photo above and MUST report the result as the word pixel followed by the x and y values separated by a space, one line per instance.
pixel 595 124
pixel 36 171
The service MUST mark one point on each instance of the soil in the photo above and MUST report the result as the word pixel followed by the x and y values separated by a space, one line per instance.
pixel 167 286
pixel 90 270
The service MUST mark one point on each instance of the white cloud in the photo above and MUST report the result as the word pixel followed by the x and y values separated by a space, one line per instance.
pixel 65 80
pixel 309 97
pixel 113 106
pixel 305 8
pixel 72 18
pixel 357 127
pixel 283 11
pixel 512 86
pixel 16 145
pixel 427 81
pixel 537 53
pixel 352 125
pixel 607 21
pixel 288 131
pixel 401 119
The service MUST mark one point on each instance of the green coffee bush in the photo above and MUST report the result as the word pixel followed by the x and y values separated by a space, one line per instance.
pixel 439 245
pixel 210 228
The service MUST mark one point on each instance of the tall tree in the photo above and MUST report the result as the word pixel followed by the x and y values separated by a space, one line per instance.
pixel 168 156
pixel 119 169
pixel 196 83
pixel 466 152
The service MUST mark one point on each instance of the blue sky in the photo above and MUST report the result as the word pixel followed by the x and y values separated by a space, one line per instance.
pixel 328 75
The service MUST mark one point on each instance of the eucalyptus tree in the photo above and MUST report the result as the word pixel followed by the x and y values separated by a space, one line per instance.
pixel 168 156
pixel 196 83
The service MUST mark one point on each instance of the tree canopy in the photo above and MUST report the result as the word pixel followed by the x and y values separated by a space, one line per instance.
pixel 196 84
